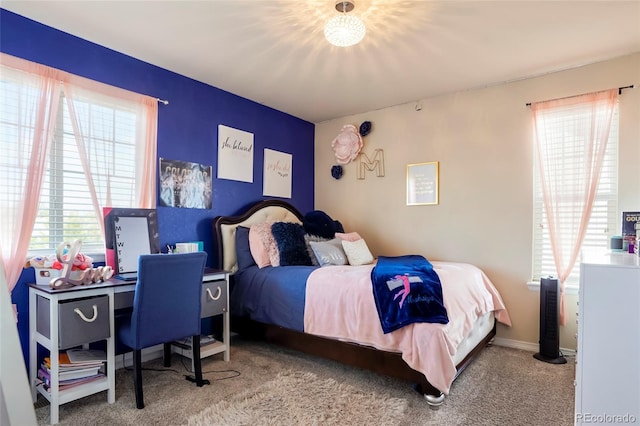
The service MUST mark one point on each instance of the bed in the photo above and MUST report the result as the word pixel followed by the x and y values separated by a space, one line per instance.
pixel 330 311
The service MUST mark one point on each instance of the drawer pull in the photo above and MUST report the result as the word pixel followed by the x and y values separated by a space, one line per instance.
pixel 217 296
pixel 85 319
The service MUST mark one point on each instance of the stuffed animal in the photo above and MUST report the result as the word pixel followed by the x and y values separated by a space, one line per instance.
pixel 48 262
pixel 81 262
pixel 319 223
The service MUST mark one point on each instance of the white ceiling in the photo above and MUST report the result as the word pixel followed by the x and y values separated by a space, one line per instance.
pixel 274 52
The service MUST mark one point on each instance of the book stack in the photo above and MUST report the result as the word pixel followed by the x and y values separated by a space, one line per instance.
pixel 186 342
pixel 77 367
pixel 630 228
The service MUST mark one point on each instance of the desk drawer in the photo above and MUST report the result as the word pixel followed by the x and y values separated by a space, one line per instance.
pixel 214 298
pixel 123 300
pixel 80 321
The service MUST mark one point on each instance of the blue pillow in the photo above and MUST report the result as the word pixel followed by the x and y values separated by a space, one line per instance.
pixel 243 253
pixel 289 238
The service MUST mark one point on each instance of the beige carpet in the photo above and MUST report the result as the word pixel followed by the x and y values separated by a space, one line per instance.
pixel 502 386
pixel 316 402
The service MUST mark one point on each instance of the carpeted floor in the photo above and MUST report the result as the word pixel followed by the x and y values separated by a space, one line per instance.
pixel 317 402
pixel 502 386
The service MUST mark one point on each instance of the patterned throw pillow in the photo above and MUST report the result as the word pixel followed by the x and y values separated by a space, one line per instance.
pixel 357 252
pixel 307 240
pixel 329 252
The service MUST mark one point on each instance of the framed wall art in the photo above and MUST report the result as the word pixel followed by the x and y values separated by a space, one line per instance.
pixel 129 233
pixel 422 183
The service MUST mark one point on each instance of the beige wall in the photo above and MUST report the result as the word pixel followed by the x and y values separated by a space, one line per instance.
pixel 483 141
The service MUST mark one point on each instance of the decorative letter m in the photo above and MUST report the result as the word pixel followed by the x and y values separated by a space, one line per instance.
pixel 376 164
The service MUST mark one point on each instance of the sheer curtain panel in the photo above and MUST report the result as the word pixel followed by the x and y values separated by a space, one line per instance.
pixel 571 136
pixel 113 160
pixel 98 135
pixel 28 109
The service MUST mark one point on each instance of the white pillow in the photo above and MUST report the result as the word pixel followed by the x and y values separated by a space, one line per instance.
pixel 329 252
pixel 357 252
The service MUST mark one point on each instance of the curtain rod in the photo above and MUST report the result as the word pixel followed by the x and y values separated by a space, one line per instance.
pixel 162 101
pixel 620 89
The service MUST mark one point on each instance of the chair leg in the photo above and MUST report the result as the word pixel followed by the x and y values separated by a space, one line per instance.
pixel 137 377
pixel 197 363
pixel 166 357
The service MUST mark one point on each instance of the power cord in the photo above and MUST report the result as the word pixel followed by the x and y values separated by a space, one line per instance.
pixel 130 368
pixel 234 373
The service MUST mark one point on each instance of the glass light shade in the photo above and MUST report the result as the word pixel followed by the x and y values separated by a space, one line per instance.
pixel 344 30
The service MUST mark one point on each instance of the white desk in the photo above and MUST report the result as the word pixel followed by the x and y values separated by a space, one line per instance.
pixel 47 306
pixel 215 301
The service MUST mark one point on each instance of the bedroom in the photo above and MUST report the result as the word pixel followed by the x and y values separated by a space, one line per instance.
pixel 482 139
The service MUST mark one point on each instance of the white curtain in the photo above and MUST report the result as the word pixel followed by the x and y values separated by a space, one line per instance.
pixel 25 136
pixel 96 158
pixel 583 123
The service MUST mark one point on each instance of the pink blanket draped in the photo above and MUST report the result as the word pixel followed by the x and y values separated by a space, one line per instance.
pixel 339 304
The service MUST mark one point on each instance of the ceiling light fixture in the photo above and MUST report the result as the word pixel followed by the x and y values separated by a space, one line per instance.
pixel 344 30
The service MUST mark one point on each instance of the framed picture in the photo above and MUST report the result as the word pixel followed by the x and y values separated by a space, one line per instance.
pixel 422 184
pixel 185 184
pixel 129 233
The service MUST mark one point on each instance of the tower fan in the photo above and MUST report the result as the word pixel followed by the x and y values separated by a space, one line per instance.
pixel 549 326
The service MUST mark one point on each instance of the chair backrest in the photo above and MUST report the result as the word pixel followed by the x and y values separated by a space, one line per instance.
pixel 167 300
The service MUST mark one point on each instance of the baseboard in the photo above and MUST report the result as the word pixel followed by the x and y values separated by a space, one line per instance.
pixel 527 346
pixel 148 354
pixel 157 351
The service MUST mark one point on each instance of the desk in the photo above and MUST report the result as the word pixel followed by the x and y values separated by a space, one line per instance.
pixel 47 306
pixel 215 301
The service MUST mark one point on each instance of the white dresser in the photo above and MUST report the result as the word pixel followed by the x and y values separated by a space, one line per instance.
pixel 608 358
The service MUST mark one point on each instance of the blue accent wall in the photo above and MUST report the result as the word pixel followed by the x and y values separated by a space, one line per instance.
pixel 187 130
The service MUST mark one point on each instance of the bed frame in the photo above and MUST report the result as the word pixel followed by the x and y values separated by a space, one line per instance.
pixel 381 362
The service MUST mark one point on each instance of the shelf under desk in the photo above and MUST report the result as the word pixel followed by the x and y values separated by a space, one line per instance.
pixel 46 305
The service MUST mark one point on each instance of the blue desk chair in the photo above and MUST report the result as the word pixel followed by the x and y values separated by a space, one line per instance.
pixel 166 307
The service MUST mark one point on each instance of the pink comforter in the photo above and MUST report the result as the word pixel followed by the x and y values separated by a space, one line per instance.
pixel 339 304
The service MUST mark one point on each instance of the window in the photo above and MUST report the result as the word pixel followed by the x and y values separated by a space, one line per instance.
pixel 81 145
pixel 565 125
pixel 65 210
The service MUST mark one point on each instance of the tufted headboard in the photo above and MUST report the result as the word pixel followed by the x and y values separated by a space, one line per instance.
pixel 224 227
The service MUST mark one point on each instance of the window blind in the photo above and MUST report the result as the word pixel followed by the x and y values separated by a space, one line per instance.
pixel 66 211
pixel 566 126
pixel 65 208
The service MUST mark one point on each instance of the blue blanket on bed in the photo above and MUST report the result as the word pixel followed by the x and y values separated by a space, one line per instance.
pixel 406 289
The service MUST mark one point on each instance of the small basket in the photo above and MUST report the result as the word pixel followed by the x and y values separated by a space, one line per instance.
pixel 44 275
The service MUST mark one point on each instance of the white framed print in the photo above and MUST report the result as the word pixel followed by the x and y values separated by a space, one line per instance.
pixel 277 174
pixel 235 154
